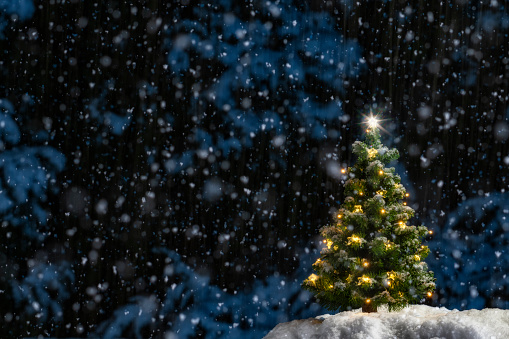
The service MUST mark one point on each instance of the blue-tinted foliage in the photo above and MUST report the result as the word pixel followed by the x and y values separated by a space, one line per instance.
pixel 27 174
pixel 22 9
pixel 473 261
pixel 42 293
pixel 191 306
pixel 259 86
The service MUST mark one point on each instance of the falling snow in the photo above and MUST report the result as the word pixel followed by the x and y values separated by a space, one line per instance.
pixel 165 167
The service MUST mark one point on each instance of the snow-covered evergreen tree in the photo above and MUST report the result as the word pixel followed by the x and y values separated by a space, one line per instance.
pixel 372 257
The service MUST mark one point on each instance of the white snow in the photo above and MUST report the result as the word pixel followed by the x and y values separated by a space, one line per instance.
pixel 416 321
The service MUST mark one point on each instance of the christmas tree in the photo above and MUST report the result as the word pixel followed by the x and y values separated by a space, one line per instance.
pixel 372 257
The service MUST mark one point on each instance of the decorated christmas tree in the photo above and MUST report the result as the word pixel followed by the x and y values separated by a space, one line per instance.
pixel 372 257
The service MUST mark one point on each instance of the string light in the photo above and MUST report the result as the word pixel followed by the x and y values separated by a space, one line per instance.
pixel 407 195
pixel 343 170
pixel 430 294
pixel 381 172
pixel 430 232
pixel 368 301
pixel 357 209
pixel 382 211
pixel 365 264
pixel 340 216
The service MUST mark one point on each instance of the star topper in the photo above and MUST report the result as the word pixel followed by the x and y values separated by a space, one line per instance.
pixel 373 122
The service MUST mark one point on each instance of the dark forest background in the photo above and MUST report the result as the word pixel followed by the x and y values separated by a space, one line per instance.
pixel 165 166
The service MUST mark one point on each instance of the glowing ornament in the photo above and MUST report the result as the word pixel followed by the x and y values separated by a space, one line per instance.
pixel 372 153
pixel 417 257
pixel 357 209
pixel 353 240
pixel 364 280
pixel 313 278
pixel 328 243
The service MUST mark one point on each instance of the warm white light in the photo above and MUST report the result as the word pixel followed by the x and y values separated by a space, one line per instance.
pixel 372 122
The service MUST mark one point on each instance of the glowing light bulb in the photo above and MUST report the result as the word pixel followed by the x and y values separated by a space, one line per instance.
pixel 364 280
pixel 372 153
pixel 372 122
pixel 313 278
pixel 365 264
pixel 430 232
pixel 368 301
pixel 340 216
pixel 430 294
pixel 353 240
pixel 343 170
pixel 407 195
pixel 382 211
pixel 381 172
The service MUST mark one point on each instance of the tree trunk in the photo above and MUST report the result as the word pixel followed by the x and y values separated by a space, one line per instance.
pixel 368 308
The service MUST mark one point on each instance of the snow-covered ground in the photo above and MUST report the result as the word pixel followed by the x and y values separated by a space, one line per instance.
pixel 416 321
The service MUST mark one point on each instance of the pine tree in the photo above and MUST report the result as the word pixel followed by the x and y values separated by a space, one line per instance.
pixel 372 257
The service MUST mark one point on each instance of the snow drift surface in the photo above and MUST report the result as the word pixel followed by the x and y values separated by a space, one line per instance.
pixel 416 321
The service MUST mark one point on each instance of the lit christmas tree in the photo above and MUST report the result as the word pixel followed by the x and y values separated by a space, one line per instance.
pixel 372 257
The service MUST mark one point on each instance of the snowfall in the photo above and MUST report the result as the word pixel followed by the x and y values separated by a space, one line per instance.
pixel 417 321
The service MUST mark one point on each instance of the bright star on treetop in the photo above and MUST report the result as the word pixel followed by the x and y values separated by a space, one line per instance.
pixel 372 122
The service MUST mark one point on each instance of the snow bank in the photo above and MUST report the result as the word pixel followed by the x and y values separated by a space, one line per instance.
pixel 416 321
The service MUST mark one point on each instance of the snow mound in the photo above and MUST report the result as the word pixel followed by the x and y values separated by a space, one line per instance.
pixel 416 321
